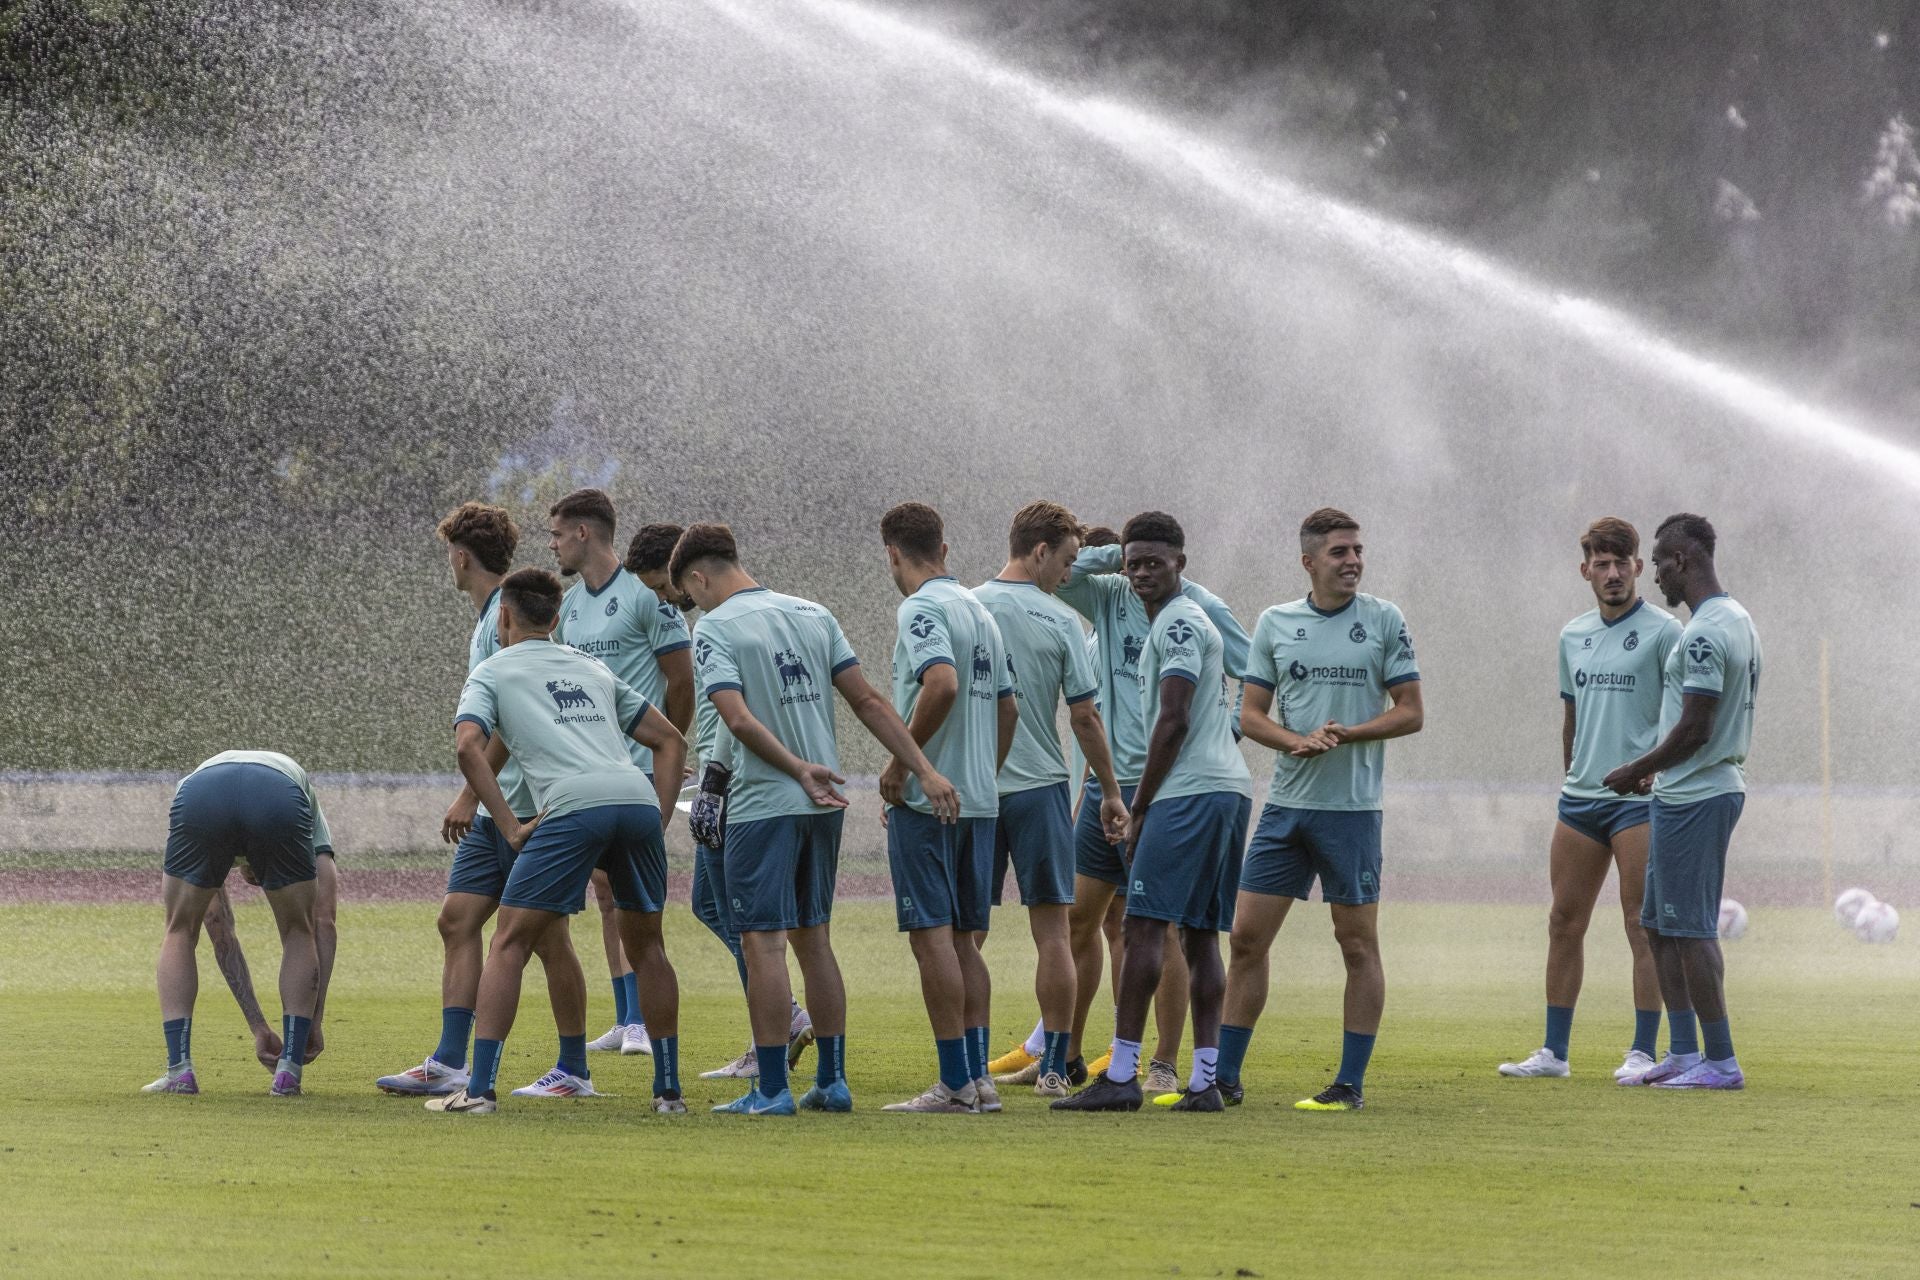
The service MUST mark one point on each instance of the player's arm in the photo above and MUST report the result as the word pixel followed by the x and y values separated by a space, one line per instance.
pixel 816 780
pixel 1698 710
pixel 1566 735
pixel 661 736
pixel 1163 745
pixel 474 746
pixel 676 667
pixel 1009 723
pixel 1256 723
pixel 939 690
pixel 466 805
pixel 233 967
pixel 1091 733
pixel 1095 572
pixel 1234 641
pixel 1406 715
pixel 884 723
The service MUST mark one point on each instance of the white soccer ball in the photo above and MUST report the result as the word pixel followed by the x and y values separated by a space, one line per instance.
pixel 1877 922
pixel 1733 920
pixel 1846 907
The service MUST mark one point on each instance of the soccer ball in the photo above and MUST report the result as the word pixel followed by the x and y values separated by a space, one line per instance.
pixel 1733 920
pixel 1846 907
pixel 1877 922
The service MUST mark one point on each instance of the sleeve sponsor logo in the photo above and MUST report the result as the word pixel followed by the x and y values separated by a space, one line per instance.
pixel 1406 645
pixel 1699 651
pixel 921 627
pixel 1181 632
pixel 702 650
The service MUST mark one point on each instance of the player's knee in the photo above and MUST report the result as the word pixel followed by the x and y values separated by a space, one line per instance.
pixel 1359 950
pixel 1566 923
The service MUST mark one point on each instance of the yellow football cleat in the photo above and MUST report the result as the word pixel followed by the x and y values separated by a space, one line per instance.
pixel 1012 1062
pixel 1167 1099
pixel 1100 1064
pixel 1335 1097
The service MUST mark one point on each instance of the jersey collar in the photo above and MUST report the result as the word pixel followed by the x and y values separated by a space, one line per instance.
pixel 603 586
pixel 1628 614
pixel 1330 613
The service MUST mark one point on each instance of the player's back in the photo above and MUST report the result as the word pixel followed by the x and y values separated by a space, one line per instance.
pixel 1048 658
pixel 1719 656
pixel 1184 643
pixel 944 622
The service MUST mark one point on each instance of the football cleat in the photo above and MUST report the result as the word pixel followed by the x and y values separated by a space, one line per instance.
pixel 180 1081
pixel 462 1103
pixel 1541 1064
pixel 799 1036
pixel 1208 1099
pixel 1051 1085
pixel 285 1085
pixel 432 1078
pixel 1335 1097
pixel 985 1096
pixel 669 1104
pixel 610 1042
pixel 558 1084
pixel 1162 1078
pixel 1098 1065
pixel 1103 1094
pixel 1704 1075
pixel 940 1100
pixel 1013 1062
pixel 636 1039
pixel 755 1103
pixel 1638 1063
pixel 833 1097
pixel 1665 1069
pixel 744 1067
pixel 1232 1092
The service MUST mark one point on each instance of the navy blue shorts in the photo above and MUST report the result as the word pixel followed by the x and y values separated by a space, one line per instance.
pixel 710 896
pixel 1687 865
pixel 1034 834
pixel 779 873
pixel 942 872
pixel 481 861
pixel 1092 855
pixel 236 810
pixel 557 863
pixel 1601 820
pixel 1294 847
pixel 1186 863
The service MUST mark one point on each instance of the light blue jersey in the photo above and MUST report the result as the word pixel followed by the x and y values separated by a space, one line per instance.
pixel 566 718
pixel 712 744
pixel 1184 644
pixel 1330 666
pixel 628 627
pixel 1100 594
pixel 484 643
pixel 942 622
pixel 1612 673
pixel 1719 656
pixel 780 654
pixel 1048 654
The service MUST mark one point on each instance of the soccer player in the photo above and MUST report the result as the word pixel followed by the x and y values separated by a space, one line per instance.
pixel 480 544
pixel 232 959
pixel 611 614
pixel 256 805
pixel 1699 787
pixel 952 686
pixel 1611 659
pixel 565 717
pixel 1049 658
pixel 1097 590
pixel 1336 670
pixel 1187 823
pixel 763 658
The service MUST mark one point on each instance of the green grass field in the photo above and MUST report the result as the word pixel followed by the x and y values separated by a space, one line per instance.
pixel 1450 1170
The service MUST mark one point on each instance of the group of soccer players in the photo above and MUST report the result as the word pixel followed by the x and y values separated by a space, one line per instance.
pixel 571 738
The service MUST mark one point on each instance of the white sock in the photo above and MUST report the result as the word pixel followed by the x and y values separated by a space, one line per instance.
pixel 1126 1061
pixel 1688 1059
pixel 1204 1063
pixel 1724 1064
pixel 1037 1042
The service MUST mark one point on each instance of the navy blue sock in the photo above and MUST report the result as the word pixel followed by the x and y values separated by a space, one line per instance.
pixel 1681 1036
pixel 830 1060
pixel 1355 1050
pixel 1559 1029
pixel 666 1065
pixel 573 1056
pixel 1054 1057
pixel 977 1051
pixel 1718 1038
pixel 293 1035
pixel 631 986
pixel 773 1068
pixel 179 1034
pixel 953 1063
pixel 1233 1052
pixel 486 1067
pixel 1646 1030
pixel 455 1026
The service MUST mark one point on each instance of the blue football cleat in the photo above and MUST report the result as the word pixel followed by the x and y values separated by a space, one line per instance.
pixel 834 1097
pixel 755 1103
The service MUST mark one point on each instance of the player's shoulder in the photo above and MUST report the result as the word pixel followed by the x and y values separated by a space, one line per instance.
pixel 1377 607
pixel 1183 610
pixel 1582 624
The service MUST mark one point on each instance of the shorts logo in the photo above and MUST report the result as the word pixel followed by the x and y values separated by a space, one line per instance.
pixel 1130 650
pixel 1358 633
pixel 906 903
pixel 1367 883
pixel 1699 650
pixel 792 670
pixel 736 905
pixel 1139 886
pixel 568 695
pixel 1666 909
pixel 921 626
pixel 702 650
pixel 613 606
pixel 1632 641
pixel 982 663
pixel 1297 669
pixel 1180 632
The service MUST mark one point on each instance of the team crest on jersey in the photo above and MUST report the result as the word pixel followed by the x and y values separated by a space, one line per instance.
pixel 792 670
pixel 921 627
pixel 1181 632
pixel 1129 649
pixel 1699 650
pixel 613 606
pixel 567 695
pixel 1358 633
pixel 1632 641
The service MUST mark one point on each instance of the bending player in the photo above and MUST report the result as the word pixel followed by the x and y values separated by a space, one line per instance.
pixel 597 809
pixel 1188 823
pixel 480 543
pixel 762 657
pixel 1049 657
pixel 609 613
pixel 1611 659
pixel 1325 666
pixel 224 937
pixel 1699 788
pixel 964 719
pixel 256 805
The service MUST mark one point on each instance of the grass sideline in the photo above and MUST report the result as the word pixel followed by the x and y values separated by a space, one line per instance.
pixel 1450 1171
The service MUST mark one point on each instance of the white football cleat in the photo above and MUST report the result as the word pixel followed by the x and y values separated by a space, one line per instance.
pixel 940 1100
pixel 744 1067
pixel 636 1039
pixel 558 1084
pixel 433 1078
pixel 1544 1063
pixel 462 1103
pixel 986 1097
pixel 1637 1063
pixel 610 1042
pixel 179 1080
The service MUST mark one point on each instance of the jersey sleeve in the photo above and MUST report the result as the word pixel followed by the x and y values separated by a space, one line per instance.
pixel 1399 666
pixel 629 707
pixel 715 660
pixel 1078 681
pixel 479 703
pixel 1566 670
pixel 1233 637
pixel 1667 641
pixel 665 627
pixel 1705 648
pixel 322 833
pixel 1093 577
pixel 929 640
pixel 1260 668
pixel 841 654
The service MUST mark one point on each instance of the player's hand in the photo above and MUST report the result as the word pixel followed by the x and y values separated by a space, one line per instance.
pixel 819 782
pixel 1114 820
pixel 1317 743
pixel 1623 781
pixel 893 783
pixel 459 819
pixel 267 1046
pixel 518 834
pixel 941 795
pixel 1135 821
pixel 315 1042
